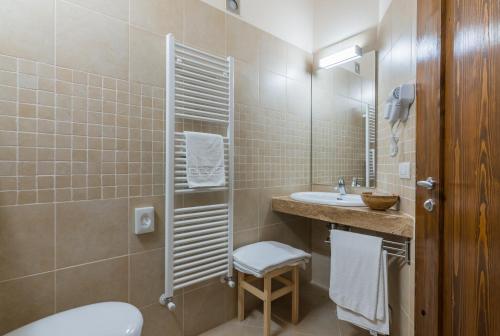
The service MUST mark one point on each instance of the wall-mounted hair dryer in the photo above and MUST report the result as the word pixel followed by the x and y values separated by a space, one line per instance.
pixel 397 110
pixel 399 102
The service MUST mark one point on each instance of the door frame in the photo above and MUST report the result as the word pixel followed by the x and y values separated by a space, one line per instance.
pixel 429 163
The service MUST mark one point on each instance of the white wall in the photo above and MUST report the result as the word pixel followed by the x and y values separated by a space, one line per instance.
pixel 336 20
pixel 290 20
pixel 382 8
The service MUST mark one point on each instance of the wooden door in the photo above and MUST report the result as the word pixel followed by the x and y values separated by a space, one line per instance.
pixel 458 138
pixel 471 249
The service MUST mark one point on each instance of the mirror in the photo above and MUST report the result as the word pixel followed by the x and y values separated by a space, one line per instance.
pixel 344 119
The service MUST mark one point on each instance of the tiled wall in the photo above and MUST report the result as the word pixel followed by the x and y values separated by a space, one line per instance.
pixel 81 129
pixel 397 65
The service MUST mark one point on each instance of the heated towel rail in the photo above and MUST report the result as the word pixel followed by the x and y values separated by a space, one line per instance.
pixel 198 239
pixel 370 144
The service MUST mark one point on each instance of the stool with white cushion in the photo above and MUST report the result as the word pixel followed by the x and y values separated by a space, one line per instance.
pixel 268 260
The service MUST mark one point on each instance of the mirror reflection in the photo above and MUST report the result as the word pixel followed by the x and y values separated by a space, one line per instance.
pixel 344 119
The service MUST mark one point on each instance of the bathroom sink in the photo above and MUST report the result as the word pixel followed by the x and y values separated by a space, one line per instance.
pixel 329 198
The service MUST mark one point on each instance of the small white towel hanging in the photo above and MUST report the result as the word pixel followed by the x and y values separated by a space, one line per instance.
pixel 204 160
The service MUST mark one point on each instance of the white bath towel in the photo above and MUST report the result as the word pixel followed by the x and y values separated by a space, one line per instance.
pixel 357 280
pixel 262 257
pixel 379 325
pixel 204 160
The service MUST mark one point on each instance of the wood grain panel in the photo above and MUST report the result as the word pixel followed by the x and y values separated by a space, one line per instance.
pixel 428 226
pixel 390 222
pixel 471 250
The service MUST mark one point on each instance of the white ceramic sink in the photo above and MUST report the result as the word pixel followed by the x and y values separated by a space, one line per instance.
pixel 329 198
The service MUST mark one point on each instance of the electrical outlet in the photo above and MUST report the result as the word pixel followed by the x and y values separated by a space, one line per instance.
pixel 405 170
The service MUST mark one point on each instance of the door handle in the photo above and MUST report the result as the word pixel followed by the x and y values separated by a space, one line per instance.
pixel 427 184
pixel 429 205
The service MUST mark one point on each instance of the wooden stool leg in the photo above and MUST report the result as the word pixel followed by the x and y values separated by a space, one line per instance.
pixel 241 297
pixel 295 295
pixel 267 305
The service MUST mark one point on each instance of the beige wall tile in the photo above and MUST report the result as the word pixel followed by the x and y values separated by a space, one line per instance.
pixel 91 42
pixel 295 233
pixel 298 64
pixel 267 215
pixel 242 238
pixel 396 66
pixel 159 321
pixel 204 27
pixel 158 16
pixel 298 97
pixel 206 306
pixel 25 300
pixel 28 29
pixel 147 276
pixel 90 230
pixel 147 57
pixel 272 90
pixel 8 63
pixel 243 40
pixel 26 240
pixel 246 209
pixel 246 84
pixel 402 60
pixel 402 19
pixel 91 283
pixel 152 240
pixel 273 54
pixel 115 8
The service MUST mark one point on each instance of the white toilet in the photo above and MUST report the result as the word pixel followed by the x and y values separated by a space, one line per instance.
pixel 100 319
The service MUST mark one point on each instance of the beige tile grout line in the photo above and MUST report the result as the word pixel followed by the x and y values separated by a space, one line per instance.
pixel 55 128
pixel 129 273
pixel 79 265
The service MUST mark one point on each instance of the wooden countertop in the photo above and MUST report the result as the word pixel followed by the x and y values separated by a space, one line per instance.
pixel 391 222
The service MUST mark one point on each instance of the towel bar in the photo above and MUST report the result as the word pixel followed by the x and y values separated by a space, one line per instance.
pixel 393 248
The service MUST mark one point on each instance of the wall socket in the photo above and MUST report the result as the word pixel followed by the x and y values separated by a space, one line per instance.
pixel 405 170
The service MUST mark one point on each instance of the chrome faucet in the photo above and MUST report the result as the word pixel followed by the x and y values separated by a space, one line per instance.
pixel 342 187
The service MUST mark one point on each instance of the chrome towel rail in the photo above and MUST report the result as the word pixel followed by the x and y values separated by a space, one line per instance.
pixel 393 248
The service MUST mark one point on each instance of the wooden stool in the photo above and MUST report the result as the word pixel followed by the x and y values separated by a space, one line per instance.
pixel 268 296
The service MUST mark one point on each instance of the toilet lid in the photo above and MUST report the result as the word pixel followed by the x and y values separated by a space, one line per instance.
pixel 100 319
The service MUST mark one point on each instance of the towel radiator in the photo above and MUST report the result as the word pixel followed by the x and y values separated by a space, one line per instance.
pixel 198 239
pixel 370 144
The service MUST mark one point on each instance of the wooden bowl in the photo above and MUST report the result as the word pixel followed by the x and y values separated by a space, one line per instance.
pixel 379 202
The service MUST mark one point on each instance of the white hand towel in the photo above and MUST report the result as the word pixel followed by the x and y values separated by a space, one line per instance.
pixel 204 160
pixel 262 257
pixel 355 272
pixel 381 323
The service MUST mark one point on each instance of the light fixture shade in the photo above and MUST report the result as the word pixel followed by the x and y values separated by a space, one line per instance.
pixel 341 57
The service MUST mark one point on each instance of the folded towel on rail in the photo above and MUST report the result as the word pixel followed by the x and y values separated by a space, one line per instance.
pixel 358 280
pixel 262 257
pixel 204 160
